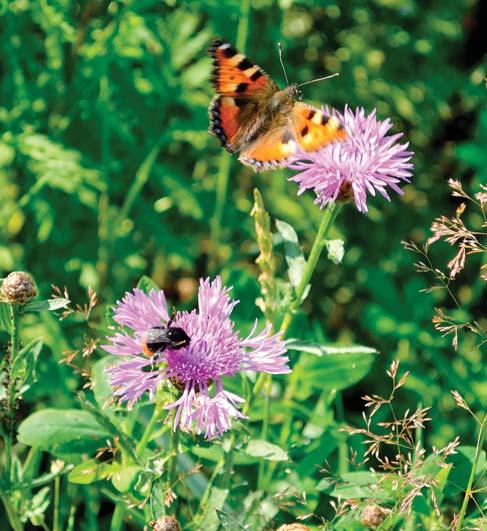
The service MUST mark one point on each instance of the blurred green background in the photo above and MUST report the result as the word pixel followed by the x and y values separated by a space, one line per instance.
pixel 107 171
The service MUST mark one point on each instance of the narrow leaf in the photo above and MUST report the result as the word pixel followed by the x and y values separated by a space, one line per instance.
pixel 265 450
pixel 49 304
pixel 294 256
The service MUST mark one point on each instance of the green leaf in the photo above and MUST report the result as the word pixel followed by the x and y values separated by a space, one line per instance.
pixel 335 250
pixel 355 485
pixel 462 462
pixel 333 367
pixel 228 522
pixel 294 256
pixel 67 433
pixel 327 350
pixel 5 317
pixel 124 477
pixel 89 471
pixel 102 390
pixel 157 506
pixel 25 365
pixel 265 450
pixel 210 520
pixel 146 284
pixel 49 304
pixel 215 454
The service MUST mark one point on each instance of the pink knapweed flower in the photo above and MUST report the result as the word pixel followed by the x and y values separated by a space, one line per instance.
pixel 215 350
pixel 367 161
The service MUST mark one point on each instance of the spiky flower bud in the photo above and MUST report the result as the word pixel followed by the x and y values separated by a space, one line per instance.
pixel 373 515
pixel 293 527
pixel 165 523
pixel 18 288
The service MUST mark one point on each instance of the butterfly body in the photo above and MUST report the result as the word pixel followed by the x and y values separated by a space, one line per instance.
pixel 250 114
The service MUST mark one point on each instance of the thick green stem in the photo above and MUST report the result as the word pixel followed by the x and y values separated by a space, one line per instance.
pixel 148 431
pixel 329 216
pixel 468 490
pixel 173 450
pixel 12 516
pixel 55 516
pixel 117 519
pixel 265 428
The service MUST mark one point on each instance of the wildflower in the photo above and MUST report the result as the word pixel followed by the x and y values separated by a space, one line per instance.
pixel 215 350
pixel 367 161
pixel 18 287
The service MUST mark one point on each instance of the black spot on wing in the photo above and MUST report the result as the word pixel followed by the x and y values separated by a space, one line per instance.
pixel 228 51
pixel 324 120
pixel 241 87
pixel 244 64
pixel 311 114
pixel 256 75
pixel 304 130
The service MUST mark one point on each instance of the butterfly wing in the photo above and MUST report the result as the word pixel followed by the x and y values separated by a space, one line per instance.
pixel 313 130
pixel 307 129
pixel 241 87
pixel 234 75
pixel 271 150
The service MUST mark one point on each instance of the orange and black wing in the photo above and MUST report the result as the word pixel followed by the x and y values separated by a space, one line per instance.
pixel 271 150
pixel 240 85
pixel 235 75
pixel 313 130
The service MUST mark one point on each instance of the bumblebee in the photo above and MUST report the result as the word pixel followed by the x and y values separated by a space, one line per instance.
pixel 159 338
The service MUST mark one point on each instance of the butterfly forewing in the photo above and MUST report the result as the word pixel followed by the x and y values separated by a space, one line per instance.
pixel 251 116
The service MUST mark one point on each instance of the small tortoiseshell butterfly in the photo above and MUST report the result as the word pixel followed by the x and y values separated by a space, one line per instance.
pixel 250 115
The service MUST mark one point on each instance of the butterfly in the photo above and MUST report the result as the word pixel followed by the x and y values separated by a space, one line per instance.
pixel 252 117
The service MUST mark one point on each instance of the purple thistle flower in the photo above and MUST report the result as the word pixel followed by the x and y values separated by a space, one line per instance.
pixel 215 350
pixel 368 160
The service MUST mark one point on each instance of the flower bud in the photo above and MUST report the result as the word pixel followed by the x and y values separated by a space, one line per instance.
pixel 165 523
pixel 373 515
pixel 18 288
pixel 293 527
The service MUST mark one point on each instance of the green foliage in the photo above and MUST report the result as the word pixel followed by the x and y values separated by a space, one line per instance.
pixel 110 180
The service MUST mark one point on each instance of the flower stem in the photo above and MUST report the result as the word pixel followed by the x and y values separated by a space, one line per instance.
pixel 265 428
pixel 173 450
pixel 117 518
pixel 468 490
pixel 329 216
pixel 144 441
pixel 12 516
pixel 55 516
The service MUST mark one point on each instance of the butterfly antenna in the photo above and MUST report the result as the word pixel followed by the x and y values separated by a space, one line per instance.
pixel 279 47
pixel 319 79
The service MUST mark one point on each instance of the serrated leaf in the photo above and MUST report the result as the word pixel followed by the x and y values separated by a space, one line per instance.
pixel 66 433
pixel 146 284
pixel 49 305
pixel 336 250
pixel 294 256
pixel 265 450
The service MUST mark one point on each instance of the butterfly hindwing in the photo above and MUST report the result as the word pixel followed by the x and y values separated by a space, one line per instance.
pixel 234 75
pixel 271 150
pixel 313 129
pixel 228 116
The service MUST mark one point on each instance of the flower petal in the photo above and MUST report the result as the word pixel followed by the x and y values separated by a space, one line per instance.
pixel 140 311
pixel 265 353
